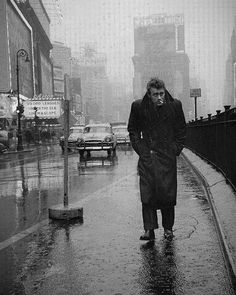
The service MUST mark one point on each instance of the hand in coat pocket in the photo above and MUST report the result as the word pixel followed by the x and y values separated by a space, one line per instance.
pixel 143 149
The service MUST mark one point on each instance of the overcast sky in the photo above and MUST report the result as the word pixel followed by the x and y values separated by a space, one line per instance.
pixel 109 24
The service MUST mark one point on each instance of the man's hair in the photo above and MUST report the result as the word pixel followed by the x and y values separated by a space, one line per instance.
pixel 155 83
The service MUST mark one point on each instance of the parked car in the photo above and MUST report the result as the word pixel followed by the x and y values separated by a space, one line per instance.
pixel 75 134
pixel 97 137
pixel 122 134
pixel 3 148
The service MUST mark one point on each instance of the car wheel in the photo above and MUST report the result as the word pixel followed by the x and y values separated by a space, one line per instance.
pixel 88 154
pixel 81 153
pixel 3 148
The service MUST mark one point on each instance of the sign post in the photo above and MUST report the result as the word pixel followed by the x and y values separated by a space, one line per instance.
pixel 66 131
pixel 195 92
pixel 66 134
pixel 66 211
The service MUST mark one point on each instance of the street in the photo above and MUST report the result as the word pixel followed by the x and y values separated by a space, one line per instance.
pixel 32 182
pixel 101 254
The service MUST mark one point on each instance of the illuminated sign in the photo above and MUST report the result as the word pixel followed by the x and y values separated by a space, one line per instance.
pixel 45 108
pixel 158 19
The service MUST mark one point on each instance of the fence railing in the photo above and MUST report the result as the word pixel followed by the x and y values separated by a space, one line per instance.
pixel 214 138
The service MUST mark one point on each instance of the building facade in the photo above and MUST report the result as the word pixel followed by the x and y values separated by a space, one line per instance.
pixel 159 51
pixel 90 66
pixel 58 81
pixel 61 58
pixel 77 105
pixel 24 25
pixel 230 81
pixel 36 15
pixel 16 33
pixel 55 11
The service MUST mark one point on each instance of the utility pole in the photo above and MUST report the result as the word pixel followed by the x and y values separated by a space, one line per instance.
pixel 20 107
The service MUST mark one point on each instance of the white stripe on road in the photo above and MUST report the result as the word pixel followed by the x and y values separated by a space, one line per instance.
pixel 22 235
pixel 30 230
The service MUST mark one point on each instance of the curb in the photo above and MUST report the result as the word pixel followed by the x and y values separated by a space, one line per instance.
pixel 221 235
pixel 18 152
pixel 28 149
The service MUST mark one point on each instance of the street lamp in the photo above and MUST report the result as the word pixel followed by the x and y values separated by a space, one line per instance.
pixel 20 107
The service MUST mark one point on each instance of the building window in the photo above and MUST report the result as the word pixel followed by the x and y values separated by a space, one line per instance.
pixel 180 38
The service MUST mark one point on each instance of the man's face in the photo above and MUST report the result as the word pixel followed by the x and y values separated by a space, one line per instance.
pixel 157 95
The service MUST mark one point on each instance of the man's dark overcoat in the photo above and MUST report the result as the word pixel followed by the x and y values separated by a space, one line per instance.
pixel 157 135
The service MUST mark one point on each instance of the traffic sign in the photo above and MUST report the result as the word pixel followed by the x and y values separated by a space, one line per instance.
pixel 195 92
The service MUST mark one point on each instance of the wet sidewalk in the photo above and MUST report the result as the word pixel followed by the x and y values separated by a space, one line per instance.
pixel 103 254
pixel 28 147
pixel 222 199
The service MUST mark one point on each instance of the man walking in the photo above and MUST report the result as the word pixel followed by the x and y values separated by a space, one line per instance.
pixel 157 132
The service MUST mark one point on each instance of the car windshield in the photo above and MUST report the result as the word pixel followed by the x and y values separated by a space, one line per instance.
pixel 120 130
pixel 96 129
pixel 79 130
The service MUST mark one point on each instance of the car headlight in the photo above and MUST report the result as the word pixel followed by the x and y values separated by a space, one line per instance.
pixel 108 139
pixel 80 140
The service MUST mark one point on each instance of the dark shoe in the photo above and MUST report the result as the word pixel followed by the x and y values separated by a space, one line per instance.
pixel 148 235
pixel 168 234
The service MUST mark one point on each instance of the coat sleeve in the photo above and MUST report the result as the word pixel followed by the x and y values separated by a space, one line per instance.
pixel 134 129
pixel 179 128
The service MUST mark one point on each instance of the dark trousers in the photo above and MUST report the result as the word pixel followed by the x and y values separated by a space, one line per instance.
pixel 150 217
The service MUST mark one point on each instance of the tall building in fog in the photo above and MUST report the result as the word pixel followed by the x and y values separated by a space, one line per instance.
pixel 90 66
pixel 61 58
pixel 208 31
pixel 208 26
pixel 102 23
pixel 159 50
pixel 55 12
pixel 230 83
pixel 233 53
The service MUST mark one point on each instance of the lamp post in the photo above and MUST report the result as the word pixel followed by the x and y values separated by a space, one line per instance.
pixel 20 107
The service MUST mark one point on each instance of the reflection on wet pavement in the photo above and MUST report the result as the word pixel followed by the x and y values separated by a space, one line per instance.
pixel 159 270
pixel 103 254
pixel 97 165
pixel 34 181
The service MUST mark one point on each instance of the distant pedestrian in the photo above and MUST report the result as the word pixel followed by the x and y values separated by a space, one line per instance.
pixel 44 135
pixel 157 132
pixel 28 136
